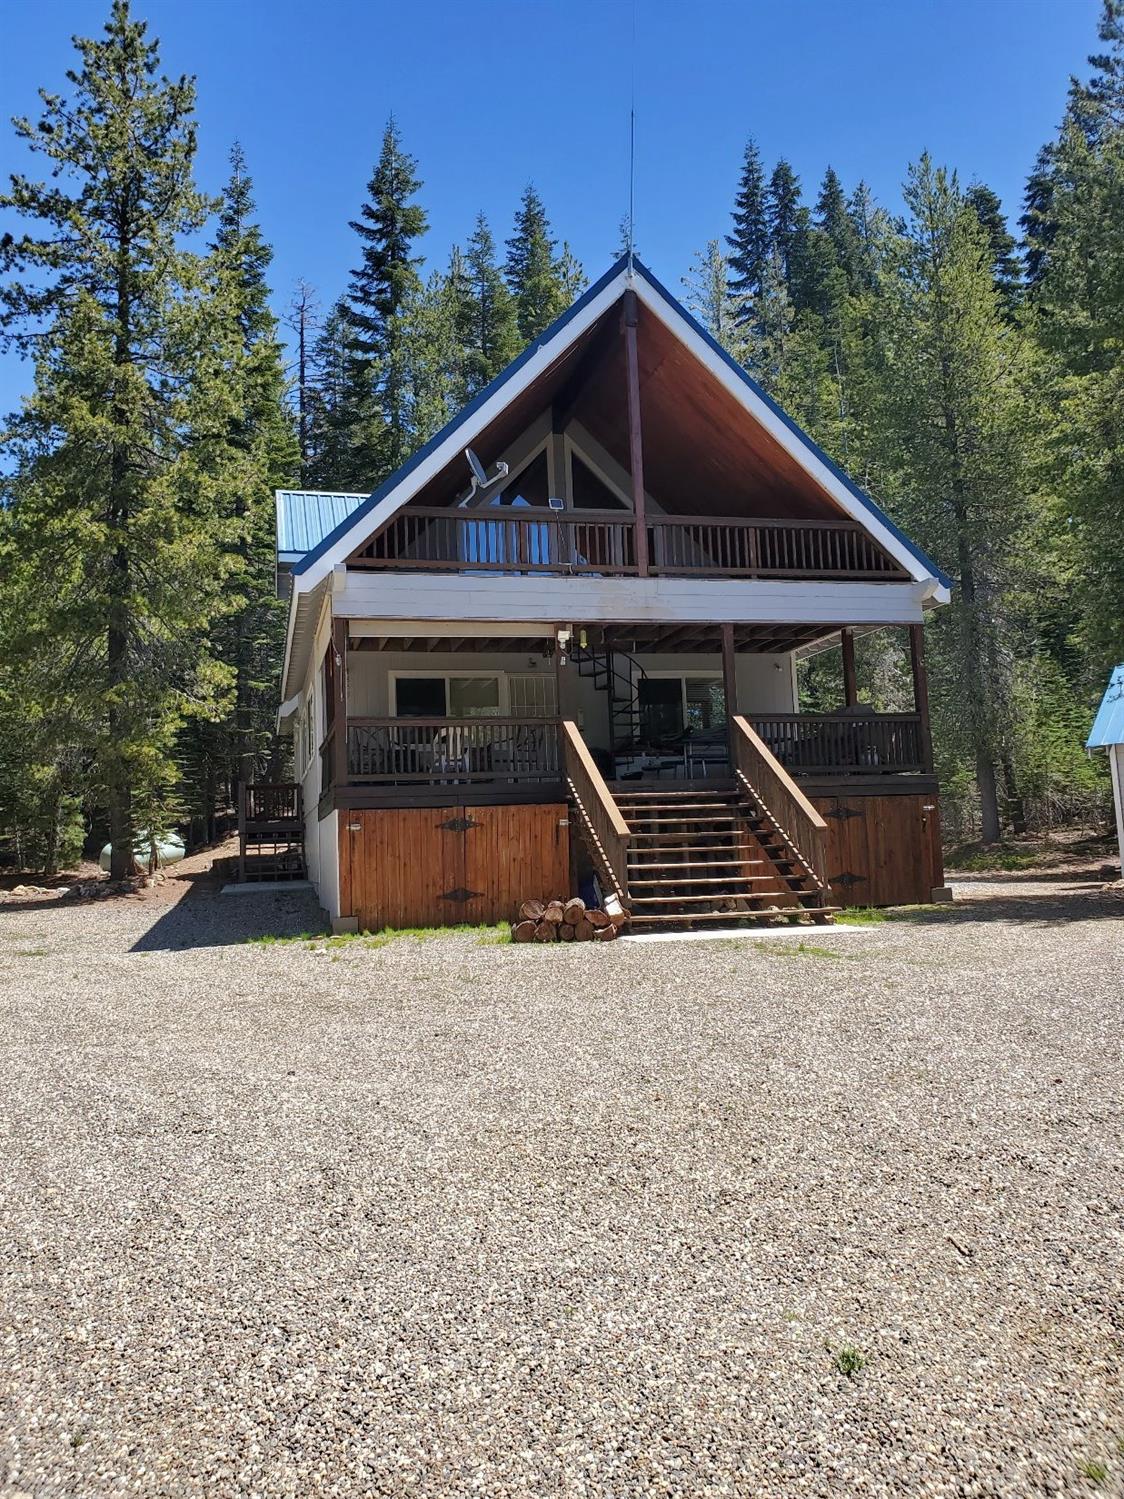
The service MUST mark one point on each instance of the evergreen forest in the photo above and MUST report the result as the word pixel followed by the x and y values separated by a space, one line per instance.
pixel 963 361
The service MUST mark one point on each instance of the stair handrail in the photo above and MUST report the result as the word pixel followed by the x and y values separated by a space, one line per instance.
pixel 609 833
pixel 781 800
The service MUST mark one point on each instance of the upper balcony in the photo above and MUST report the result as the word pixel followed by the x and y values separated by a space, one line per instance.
pixel 594 543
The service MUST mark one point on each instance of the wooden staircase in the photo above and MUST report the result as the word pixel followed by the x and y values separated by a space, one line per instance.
pixel 711 855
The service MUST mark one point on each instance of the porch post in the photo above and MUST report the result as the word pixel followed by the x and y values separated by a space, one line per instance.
pixel 339 703
pixel 921 692
pixel 635 434
pixel 850 679
pixel 729 684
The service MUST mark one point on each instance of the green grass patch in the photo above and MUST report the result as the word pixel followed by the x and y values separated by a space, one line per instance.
pixel 486 936
pixel 862 916
pixel 1094 1470
pixel 976 860
pixel 849 1360
pixel 797 950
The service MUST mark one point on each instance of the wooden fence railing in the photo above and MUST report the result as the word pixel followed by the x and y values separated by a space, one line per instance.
pixel 271 802
pixel 603 543
pixel 601 818
pixel 883 742
pixel 444 751
pixel 778 796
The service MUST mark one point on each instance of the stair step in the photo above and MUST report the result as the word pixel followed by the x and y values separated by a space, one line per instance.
pixel 693 864
pixel 725 880
pixel 827 913
pixel 700 823
pixel 639 901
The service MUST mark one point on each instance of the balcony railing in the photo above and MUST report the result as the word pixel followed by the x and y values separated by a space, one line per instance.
pixel 886 743
pixel 602 543
pixel 451 751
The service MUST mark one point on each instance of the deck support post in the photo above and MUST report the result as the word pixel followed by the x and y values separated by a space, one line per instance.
pixel 921 692
pixel 565 694
pixel 850 677
pixel 339 703
pixel 635 434
pixel 730 684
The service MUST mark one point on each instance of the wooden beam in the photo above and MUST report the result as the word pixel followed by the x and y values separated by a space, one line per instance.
pixel 730 683
pixel 635 434
pixel 921 691
pixel 339 703
pixel 850 679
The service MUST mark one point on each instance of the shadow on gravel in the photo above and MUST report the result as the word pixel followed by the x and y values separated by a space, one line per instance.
pixel 206 918
pixel 1049 909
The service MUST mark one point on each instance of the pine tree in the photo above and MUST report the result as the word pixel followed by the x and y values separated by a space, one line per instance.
pixel 1079 296
pixel 782 214
pixel 303 321
pixel 381 287
pixel 118 544
pixel 1006 265
pixel 709 297
pixel 541 283
pixel 834 219
pixel 749 242
pixel 491 333
pixel 955 413
pixel 331 462
pixel 262 455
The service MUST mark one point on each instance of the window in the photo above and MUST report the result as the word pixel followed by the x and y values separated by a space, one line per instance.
pixel 303 738
pixel 589 491
pixel 471 695
pixel 673 705
pixel 532 696
pixel 490 540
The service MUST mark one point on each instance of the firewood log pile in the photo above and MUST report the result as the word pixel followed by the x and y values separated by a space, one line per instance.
pixel 565 921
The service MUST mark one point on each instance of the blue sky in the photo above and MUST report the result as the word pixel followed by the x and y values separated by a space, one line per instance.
pixel 491 94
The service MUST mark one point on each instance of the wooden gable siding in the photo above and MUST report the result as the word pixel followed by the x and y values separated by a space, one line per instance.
pixel 441 866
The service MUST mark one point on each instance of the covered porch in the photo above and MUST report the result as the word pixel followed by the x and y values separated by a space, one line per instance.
pixel 410 717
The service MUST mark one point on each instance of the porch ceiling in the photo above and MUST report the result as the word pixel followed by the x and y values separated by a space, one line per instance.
pixel 636 639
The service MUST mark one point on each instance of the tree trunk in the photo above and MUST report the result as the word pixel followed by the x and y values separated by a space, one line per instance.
pixel 989 799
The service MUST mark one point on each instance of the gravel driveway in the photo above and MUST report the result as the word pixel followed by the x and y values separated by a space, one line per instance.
pixel 444 1218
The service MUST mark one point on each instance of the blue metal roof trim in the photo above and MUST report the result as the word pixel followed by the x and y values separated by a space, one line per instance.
pixel 1108 726
pixel 778 411
pixel 477 401
pixel 306 516
pixel 545 337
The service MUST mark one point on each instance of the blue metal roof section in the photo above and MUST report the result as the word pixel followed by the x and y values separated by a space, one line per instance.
pixel 306 516
pixel 1108 726
pixel 550 333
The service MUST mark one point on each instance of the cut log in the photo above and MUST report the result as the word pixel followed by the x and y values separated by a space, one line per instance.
pixel 604 933
pixel 524 931
pixel 599 919
pixel 565 932
pixel 531 910
pixel 583 930
pixel 553 912
pixel 545 931
pixel 574 910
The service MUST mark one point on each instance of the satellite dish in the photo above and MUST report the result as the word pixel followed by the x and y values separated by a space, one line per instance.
pixel 477 468
pixel 481 479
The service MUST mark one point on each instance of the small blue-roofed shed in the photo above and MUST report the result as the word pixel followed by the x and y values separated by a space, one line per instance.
pixel 1107 733
pixel 304 518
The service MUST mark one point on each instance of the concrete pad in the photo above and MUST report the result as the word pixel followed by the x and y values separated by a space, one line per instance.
pixel 266 887
pixel 748 934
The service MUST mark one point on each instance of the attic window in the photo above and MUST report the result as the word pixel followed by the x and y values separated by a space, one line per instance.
pixel 590 492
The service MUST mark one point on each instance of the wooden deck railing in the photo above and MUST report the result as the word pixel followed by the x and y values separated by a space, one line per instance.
pixel 781 799
pixel 886 743
pixel 603 543
pixel 445 751
pixel 272 802
pixel 600 816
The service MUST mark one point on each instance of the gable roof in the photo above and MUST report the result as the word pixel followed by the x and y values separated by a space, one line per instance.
pixel 557 342
pixel 306 516
pixel 1108 726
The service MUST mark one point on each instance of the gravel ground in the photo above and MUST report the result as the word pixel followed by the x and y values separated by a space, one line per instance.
pixel 445 1218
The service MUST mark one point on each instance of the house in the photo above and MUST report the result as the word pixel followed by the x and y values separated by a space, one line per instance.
pixel 1107 733
pixel 562 642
